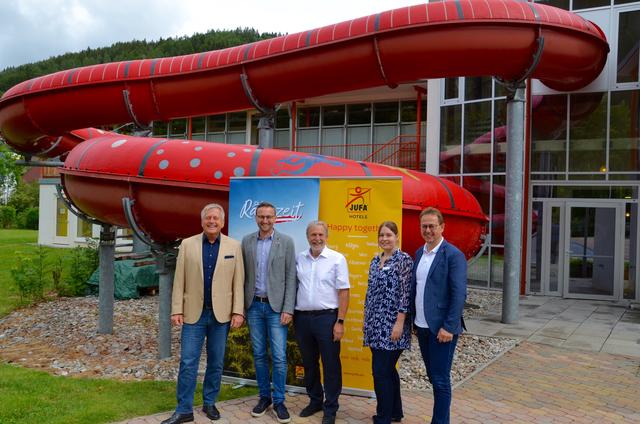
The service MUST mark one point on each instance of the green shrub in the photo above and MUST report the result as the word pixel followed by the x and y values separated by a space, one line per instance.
pixel 30 276
pixel 84 260
pixel 7 216
pixel 28 219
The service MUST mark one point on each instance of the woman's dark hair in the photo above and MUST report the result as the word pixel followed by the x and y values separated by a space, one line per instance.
pixel 390 225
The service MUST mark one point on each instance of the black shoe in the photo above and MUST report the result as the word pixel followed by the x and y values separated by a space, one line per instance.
pixel 211 412
pixel 310 409
pixel 179 418
pixel 281 413
pixel 329 419
pixel 393 419
pixel 261 407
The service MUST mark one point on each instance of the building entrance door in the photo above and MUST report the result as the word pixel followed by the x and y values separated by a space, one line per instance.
pixel 593 241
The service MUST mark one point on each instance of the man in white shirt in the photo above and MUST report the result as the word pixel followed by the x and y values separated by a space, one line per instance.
pixel 438 292
pixel 321 305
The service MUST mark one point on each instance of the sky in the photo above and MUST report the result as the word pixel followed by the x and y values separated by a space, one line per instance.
pixel 33 30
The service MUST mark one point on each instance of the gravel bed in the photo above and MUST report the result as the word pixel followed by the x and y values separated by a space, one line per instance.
pixel 61 337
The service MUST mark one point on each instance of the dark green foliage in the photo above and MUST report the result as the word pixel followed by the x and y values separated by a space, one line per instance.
pixel 136 49
pixel 7 216
pixel 84 260
pixel 28 219
pixel 30 276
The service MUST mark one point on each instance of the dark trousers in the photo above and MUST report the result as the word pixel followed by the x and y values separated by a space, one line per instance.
pixel 386 383
pixel 314 332
pixel 438 358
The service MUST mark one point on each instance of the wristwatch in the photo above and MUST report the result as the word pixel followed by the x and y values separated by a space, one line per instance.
pixel 340 321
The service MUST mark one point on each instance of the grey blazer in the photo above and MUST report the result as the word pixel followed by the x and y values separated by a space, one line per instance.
pixel 282 282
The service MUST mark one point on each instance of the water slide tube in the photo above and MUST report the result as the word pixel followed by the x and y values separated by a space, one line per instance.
pixel 504 38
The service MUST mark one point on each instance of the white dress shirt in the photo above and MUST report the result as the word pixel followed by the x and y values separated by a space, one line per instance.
pixel 319 279
pixel 422 272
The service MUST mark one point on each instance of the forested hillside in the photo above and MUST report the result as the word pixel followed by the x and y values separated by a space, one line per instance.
pixel 212 40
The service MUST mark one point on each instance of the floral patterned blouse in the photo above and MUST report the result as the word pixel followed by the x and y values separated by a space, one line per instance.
pixel 387 294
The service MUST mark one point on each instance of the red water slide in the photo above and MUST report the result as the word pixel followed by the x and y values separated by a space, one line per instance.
pixel 504 38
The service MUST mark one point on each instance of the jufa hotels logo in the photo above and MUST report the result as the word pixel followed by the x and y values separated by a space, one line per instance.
pixel 358 199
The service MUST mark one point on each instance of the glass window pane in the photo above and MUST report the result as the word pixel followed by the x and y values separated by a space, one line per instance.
pixel 535 248
pixel 237 121
pixel 549 133
pixel 282 139
pixel 84 228
pixel 450 136
pixel 497 214
pixel 497 267
pixel 477 137
pixel 236 138
pixel 478 271
pixel 197 125
pixel 477 88
pixel 216 137
pixel 385 112
pixel 451 88
pixel 586 4
pixel 383 134
pixel 178 128
pixel 308 117
pixel 359 143
pixel 332 142
pixel 62 222
pixel 588 126
pixel 631 236
pixel 499 135
pixel 628 52
pixel 160 128
pixel 307 141
pixel 333 115
pixel 408 111
pixel 561 4
pixel 359 114
pixel 282 118
pixel 624 132
pixel 216 123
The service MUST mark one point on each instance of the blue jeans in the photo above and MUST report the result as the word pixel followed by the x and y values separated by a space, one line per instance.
pixel 438 358
pixel 193 337
pixel 386 383
pixel 264 327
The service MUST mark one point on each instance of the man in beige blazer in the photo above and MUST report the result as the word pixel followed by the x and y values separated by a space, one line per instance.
pixel 208 298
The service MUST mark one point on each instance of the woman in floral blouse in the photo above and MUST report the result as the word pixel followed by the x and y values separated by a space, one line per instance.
pixel 386 331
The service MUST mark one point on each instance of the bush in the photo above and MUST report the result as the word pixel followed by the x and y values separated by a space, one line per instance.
pixel 7 216
pixel 29 276
pixel 28 219
pixel 84 260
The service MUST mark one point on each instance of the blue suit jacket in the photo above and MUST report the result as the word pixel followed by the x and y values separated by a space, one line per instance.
pixel 445 290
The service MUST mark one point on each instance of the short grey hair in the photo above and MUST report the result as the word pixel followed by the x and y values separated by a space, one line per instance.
pixel 320 224
pixel 210 206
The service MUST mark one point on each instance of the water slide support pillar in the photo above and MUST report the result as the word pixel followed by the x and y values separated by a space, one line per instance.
pixel 106 284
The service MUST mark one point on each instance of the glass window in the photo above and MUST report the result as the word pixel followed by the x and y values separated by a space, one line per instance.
pixel 451 88
pixel 307 141
pixel 587 133
pixel 497 213
pixel 308 117
pixel 628 52
pixel 561 4
pixel 216 123
pixel 282 118
pixel 385 112
pixel 84 228
pixel 333 115
pixel 198 126
pixel 359 114
pixel 478 271
pixel 497 267
pixel 62 223
pixel 408 111
pixel 178 128
pixel 624 147
pixel 499 135
pixel 236 138
pixel 359 143
pixel 477 137
pixel 383 134
pixel 587 4
pixel 237 121
pixel 216 137
pixel 160 128
pixel 282 140
pixel 549 133
pixel 450 136
pixel 535 248
pixel 333 141
pixel 477 88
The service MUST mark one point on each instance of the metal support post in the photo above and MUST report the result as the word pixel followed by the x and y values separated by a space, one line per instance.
pixel 165 266
pixel 139 246
pixel 265 130
pixel 106 285
pixel 513 204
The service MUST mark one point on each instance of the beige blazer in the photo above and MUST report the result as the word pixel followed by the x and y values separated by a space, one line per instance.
pixel 228 280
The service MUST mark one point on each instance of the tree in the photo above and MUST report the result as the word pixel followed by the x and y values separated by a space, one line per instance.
pixel 10 173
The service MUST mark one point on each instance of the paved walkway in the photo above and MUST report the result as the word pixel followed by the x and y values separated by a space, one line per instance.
pixel 561 372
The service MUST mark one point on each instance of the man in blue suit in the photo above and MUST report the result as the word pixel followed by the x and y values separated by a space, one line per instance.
pixel 438 292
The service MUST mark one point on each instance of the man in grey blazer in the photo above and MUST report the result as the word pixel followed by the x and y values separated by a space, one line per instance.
pixel 270 296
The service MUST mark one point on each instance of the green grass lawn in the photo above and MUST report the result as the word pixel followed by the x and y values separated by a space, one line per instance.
pixel 37 397
pixel 28 396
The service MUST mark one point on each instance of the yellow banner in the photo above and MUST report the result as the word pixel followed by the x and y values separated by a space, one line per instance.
pixel 353 209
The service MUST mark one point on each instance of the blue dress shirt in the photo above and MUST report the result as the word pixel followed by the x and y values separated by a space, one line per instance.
pixel 209 259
